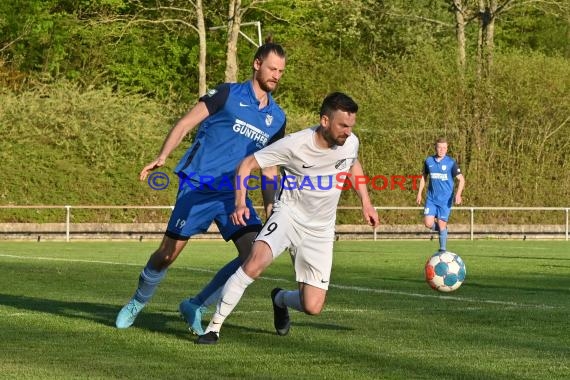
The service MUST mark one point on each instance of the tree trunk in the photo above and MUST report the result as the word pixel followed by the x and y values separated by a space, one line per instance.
pixel 480 38
pixel 202 58
pixel 483 96
pixel 490 37
pixel 463 101
pixel 485 42
pixel 234 25
pixel 460 34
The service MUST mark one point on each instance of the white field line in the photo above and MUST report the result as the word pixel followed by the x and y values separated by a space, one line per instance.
pixel 343 287
pixel 522 247
pixel 440 296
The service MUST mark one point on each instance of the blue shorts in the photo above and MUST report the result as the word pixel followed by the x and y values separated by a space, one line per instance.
pixel 195 210
pixel 441 212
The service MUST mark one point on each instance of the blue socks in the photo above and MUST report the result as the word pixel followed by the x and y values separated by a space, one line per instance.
pixel 148 282
pixel 443 240
pixel 218 281
pixel 150 278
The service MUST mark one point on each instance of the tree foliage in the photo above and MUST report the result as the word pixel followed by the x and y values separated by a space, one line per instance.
pixel 123 65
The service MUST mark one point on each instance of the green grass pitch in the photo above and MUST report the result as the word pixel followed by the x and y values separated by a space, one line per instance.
pixel 509 320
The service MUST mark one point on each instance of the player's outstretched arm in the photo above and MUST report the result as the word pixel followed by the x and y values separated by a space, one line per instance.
pixel 269 187
pixel 150 167
pixel 460 187
pixel 420 190
pixel 189 121
pixel 244 169
pixel 368 211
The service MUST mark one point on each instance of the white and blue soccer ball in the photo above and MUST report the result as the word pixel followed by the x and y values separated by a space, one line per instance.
pixel 445 271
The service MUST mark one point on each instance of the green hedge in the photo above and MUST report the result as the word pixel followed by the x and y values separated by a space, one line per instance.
pixel 60 144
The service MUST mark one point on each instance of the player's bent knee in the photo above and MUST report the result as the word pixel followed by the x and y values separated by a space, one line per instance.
pixel 253 272
pixel 429 222
pixel 312 299
pixel 259 259
pixel 254 268
pixel 164 256
pixel 160 262
pixel 313 309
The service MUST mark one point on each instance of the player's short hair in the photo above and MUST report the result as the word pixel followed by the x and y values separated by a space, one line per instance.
pixel 440 140
pixel 338 101
pixel 269 47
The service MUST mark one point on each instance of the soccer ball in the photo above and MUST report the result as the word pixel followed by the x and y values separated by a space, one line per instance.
pixel 445 271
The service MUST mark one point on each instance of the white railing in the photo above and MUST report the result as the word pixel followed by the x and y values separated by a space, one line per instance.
pixel 68 209
pixel 472 210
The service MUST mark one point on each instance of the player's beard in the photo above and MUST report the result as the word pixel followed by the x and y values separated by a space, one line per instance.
pixel 340 141
pixel 331 140
pixel 268 85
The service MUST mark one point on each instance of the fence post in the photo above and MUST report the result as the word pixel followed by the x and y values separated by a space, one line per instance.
pixel 567 223
pixel 67 220
pixel 472 210
pixel 375 228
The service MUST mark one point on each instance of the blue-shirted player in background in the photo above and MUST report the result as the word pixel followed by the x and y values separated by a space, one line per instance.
pixel 441 171
pixel 236 120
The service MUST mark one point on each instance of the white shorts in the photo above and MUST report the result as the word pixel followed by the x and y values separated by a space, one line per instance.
pixel 311 252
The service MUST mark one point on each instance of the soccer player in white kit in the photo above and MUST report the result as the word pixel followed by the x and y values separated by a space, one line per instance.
pixel 315 163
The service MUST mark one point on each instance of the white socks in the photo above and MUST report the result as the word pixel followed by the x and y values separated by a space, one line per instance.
pixel 231 295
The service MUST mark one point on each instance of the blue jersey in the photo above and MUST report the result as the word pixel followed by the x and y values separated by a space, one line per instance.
pixel 441 179
pixel 234 129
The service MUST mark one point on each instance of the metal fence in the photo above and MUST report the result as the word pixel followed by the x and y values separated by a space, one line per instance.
pixel 472 211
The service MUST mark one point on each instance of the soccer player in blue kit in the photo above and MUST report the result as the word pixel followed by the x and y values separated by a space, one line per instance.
pixel 236 120
pixel 441 171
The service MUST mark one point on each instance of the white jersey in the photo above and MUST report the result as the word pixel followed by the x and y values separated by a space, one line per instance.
pixel 312 177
